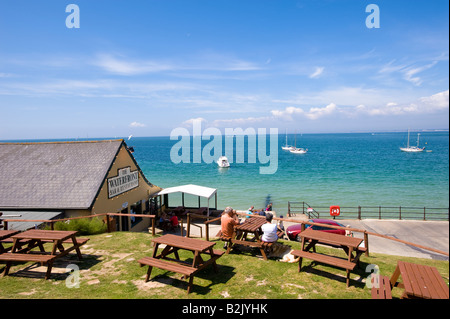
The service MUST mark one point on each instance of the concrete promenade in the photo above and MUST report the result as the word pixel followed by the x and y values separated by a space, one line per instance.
pixel 432 234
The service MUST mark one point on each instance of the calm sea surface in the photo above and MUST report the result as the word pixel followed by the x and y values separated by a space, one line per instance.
pixel 339 169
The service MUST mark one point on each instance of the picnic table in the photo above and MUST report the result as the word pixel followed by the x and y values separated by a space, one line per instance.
pixel 5 237
pixel 419 281
pixel 349 244
pixel 252 226
pixel 172 245
pixel 37 238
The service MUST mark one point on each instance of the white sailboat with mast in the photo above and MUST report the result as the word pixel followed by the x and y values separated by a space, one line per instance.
pixel 287 147
pixel 412 149
pixel 298 150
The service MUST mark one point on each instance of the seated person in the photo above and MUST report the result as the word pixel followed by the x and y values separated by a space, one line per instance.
pixel 173 221
pixel 164 222
pixel 269 230
pixel 228 220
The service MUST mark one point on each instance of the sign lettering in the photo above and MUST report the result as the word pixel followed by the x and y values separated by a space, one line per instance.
pixel 124 181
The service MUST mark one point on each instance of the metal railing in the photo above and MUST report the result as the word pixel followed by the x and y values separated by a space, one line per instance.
pixel 372 212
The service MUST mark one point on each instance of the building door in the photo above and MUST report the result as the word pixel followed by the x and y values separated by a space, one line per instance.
pixel 125 224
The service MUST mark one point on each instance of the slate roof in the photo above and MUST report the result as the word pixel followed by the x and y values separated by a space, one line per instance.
pixel 57 175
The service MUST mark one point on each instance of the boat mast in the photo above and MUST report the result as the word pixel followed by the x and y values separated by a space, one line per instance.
pixel 408 139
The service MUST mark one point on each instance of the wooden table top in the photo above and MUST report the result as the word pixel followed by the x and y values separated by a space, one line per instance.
pixel 7 233
pixel 422 281
pixel 251 224
pixel 330 238
pixel 184 242
pixel 39 234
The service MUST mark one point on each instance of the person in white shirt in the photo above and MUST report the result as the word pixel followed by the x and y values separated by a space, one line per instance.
pixel 269 230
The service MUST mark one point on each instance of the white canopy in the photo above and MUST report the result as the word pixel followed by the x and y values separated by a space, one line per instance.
pixel 191 189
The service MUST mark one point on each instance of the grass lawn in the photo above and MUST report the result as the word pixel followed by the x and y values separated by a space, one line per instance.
pixel 109 270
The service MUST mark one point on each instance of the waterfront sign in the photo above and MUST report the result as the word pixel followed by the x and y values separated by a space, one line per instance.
pixel 124 181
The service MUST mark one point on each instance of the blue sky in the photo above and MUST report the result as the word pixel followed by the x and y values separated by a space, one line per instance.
pixel 147 67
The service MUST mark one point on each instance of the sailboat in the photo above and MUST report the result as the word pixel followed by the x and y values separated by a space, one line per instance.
pixel 286 147
pixel 298 150
pixel 412 149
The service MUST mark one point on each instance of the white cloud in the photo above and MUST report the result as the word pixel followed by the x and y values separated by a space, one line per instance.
pixel 409 73
pixel 137 124
pixel 207 62
pixel 125 67
pixel 313 113
pixel 190 122
pixel 424 105
pixel 316 73
pixel 438 101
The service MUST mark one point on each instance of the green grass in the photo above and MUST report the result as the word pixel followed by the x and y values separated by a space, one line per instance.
pixel 109 270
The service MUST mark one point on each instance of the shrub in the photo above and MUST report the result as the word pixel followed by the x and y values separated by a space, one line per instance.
pixel 84 226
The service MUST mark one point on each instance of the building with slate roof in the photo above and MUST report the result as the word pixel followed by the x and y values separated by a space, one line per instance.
pixel 74 179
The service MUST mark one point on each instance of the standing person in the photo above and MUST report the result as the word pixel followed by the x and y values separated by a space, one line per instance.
pixel 250 211
pixel 228 220
pixel 269 230
pixel 269 207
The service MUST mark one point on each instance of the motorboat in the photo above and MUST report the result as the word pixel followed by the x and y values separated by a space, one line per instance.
pixel 413 149
pixel 223 162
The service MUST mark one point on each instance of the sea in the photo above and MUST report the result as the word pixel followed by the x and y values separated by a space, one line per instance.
pixel 354 169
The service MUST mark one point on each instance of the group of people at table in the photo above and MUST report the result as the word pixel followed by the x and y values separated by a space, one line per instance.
pixel 229 220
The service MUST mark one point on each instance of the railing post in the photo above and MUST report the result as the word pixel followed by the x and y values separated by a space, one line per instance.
pixel 424 215
pixel 379 212
pixel 188 226
pixel 366 243
pixel 289 208
pixel 359 212
pixel 153 225
pixel 400 213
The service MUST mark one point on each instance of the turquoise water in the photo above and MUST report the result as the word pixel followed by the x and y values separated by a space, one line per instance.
pixel 339 169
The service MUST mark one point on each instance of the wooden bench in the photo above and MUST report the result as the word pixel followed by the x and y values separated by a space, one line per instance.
pixel 384 291
pixel 330 260
pixel 15 257
pixel 151 262
pixel 183 269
